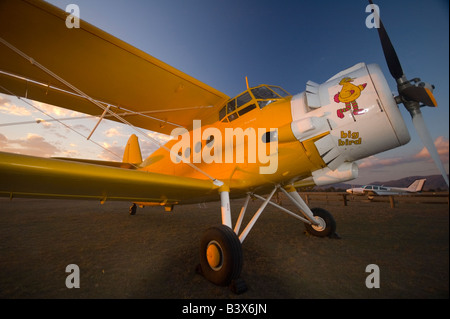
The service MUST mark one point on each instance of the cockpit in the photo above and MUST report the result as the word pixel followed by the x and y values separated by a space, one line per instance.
pixel 260 96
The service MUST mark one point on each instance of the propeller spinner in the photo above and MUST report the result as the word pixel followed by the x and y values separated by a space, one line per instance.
pixel 413 95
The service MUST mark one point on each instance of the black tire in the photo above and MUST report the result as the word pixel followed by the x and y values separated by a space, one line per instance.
pixel 133 209
pixel 328 224
pixel 228 267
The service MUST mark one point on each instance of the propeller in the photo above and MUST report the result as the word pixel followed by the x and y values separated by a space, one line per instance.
pixel 413 94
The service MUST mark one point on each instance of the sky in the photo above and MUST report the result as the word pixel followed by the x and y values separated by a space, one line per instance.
pixel 280 42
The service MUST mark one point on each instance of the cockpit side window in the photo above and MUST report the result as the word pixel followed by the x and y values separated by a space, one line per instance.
pixel 233 116
pixel 222 112
pixel 231 106
pixel 243 99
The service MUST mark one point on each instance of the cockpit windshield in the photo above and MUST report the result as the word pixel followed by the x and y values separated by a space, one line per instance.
pixel 268 92
pixel 261 96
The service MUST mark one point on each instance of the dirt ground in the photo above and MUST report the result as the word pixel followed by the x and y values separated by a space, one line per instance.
pixel 153 254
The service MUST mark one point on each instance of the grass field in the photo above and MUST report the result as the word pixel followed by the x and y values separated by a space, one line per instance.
pixel 153 254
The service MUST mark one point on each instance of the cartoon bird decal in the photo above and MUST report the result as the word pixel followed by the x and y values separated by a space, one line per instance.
pixel 348 95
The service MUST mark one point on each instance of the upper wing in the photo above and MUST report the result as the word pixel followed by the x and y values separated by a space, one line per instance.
pixel 28 176
pixel 145 91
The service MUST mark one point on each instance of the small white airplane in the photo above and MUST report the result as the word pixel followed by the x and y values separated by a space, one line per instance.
pixel 375 190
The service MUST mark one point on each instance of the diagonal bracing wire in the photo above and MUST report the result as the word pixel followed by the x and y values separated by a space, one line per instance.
pixel 105 109
pixel 57 120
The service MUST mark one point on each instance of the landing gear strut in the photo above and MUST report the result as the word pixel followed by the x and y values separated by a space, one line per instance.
pixel 221 246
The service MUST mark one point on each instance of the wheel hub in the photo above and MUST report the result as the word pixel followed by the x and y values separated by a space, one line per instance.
pixel 214 255
pixel 321 224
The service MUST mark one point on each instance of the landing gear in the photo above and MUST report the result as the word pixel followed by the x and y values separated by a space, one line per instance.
pixel 221 246
pixel 133 209
pixel 326 225
pixel 221 257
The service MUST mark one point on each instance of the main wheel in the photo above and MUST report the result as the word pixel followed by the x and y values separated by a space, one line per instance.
pixel 133 209
pixel 327 224
pixel 220 255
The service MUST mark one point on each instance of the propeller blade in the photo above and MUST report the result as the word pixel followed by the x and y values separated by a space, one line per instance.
pixel 392 60
pixel 427 141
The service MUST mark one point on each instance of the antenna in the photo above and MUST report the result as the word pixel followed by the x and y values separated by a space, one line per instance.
pixel 246 81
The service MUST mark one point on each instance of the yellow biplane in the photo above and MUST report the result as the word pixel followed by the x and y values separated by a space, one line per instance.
pixel 261 142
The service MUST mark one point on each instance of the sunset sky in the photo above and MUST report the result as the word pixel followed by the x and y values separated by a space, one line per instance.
pixel 283 43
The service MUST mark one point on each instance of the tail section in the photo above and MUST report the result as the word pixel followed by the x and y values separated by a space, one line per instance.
pixel 417 186
pixel 132 152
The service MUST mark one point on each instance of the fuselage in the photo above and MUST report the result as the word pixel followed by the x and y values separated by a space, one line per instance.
pixel 266 136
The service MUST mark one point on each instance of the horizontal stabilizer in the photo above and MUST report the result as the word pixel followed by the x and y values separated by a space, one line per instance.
pixel 96 162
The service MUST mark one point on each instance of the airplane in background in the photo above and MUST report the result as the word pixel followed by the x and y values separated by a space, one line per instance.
pixel 312 138
pixel 375 190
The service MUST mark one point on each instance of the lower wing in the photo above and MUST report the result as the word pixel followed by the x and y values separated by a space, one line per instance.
pixel 28 176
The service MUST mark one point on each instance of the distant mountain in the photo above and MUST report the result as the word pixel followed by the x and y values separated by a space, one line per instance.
pixel 434 182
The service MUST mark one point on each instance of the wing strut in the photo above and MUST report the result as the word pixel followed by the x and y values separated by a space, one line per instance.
pixel 99 120
pixel 105 109
pixel 291 193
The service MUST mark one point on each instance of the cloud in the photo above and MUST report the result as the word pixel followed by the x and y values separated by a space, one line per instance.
pixel 162 138
pixel 33 144
pixel 112 132
pixel 6 107
pixel 112 153
pixel 54 110
pixel 374 162
pixel 71 153
pixel 442 146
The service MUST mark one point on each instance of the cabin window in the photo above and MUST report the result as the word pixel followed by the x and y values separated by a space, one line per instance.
pixel 268 137
pixel 198 147
pixel 265 103
pixel 243 99
pixel 187 152
pixel 231 106
pixel 210 141
pixel 178 159
pixel 223 112
pixel 232 116
pixel 246 109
